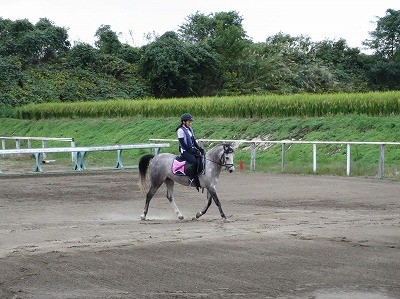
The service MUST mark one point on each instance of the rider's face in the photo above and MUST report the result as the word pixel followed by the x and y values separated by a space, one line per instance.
pixel 187 123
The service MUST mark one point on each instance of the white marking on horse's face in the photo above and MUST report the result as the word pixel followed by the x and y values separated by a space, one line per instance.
pixel 230 165
pixel 229 158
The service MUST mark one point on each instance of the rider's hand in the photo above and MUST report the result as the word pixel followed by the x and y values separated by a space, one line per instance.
pixel 195 151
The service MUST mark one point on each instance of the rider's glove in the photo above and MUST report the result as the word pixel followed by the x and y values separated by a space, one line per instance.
pixel 195 151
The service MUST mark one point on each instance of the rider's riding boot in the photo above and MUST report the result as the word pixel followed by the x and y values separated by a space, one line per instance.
pixel 197 182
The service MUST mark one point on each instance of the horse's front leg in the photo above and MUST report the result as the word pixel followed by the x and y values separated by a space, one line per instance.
pixel 213 195
pixel 209 198
pixel 218 203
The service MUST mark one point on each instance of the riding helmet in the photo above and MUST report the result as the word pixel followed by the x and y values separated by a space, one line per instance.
pixel 186 116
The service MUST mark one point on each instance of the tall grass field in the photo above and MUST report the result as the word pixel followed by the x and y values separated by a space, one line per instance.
pixel 300 105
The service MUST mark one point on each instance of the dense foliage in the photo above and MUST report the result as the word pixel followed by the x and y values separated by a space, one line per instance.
pixel 210 55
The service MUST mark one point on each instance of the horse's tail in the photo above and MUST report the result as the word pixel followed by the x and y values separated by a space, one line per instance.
pixel 143 165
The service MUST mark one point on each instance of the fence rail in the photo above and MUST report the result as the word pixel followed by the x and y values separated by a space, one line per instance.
pixel 79 153
pixel 314 144
pixel 29 140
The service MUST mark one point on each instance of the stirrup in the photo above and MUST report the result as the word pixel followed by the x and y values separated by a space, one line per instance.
pixel 194 184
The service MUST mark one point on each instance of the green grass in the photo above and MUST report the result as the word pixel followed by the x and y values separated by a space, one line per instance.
pixel 331 158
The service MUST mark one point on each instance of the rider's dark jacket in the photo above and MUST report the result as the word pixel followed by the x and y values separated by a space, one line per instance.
pixel 187 144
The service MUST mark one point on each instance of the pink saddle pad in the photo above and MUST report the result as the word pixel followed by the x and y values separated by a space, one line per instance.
pixel 178 168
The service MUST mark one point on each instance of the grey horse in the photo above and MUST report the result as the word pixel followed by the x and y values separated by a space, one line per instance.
pixel 161 171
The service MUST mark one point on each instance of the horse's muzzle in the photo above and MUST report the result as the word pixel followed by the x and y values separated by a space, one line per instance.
pixel 230 168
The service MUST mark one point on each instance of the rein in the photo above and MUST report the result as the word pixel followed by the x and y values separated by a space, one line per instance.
pixel 220 163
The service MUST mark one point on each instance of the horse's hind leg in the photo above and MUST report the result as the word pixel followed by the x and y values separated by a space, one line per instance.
pixel 170 196
pixel 149 196
pixel 209 198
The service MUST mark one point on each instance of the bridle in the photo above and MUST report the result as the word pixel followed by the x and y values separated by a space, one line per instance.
pixel 222 160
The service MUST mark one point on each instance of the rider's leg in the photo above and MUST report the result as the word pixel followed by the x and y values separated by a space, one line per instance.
pixel 193 175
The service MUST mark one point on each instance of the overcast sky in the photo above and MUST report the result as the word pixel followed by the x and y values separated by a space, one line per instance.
pixel 318 19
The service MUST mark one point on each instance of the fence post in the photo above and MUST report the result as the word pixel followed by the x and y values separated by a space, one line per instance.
pixel 348 154
pixel 17 145
pixel 314 157
pixel 29 142
pixel 72 154
pixel 44 146
pixel 76 160
pixel 253 157
pixel 3 144
pixel 283 156
pixel 83 160
pixel 119 160
pixel 381 160
pixel 38 167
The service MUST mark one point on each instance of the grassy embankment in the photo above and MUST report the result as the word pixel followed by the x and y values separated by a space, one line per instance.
pixel 127 130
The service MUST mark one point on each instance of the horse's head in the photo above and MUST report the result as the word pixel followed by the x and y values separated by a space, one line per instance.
pixel 227 158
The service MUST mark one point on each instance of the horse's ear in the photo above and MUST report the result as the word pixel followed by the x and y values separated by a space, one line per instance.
pixel 228 149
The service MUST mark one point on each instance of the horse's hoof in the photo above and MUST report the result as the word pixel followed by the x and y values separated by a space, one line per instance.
pixel 142 217
pixel 225 220
pixel 198 215
pixel 180 217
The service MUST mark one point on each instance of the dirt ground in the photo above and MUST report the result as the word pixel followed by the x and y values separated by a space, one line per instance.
pixel 288 236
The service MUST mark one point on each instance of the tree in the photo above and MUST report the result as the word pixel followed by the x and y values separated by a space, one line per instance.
pixel 32 43
pixel 11 76
pixel 385 39
pixel 384 65
pixel 287 64
pixel 346 63
pixel 129 54
pixel 223 31
pixel 107 42
pixel 83 55
pixel 207 73
pixel 176 69
pixel 52 40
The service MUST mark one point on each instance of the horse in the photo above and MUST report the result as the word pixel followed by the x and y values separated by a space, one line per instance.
pixel 160 171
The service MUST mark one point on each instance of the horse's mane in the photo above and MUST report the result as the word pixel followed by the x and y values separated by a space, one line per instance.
pixel 215 148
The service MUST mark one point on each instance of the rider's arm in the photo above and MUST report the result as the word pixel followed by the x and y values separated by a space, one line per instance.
pixel 181 139
pixel 183 144
pixel 196 145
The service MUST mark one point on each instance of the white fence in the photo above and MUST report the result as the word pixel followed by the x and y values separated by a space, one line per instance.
pixel 314 144
pixel 79 153
pixel 30 139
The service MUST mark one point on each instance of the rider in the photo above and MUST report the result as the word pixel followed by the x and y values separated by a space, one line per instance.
pixel 190 150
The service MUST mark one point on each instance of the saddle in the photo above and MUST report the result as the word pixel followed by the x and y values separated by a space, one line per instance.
pixel 182 167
